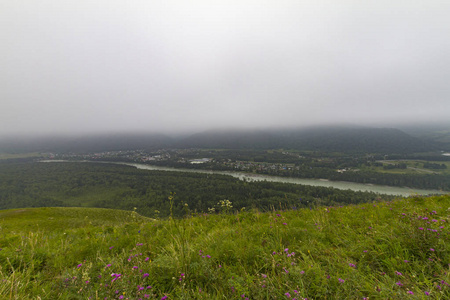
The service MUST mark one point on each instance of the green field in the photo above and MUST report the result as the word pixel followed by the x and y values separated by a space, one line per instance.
pixel 413 167
pixel 387 250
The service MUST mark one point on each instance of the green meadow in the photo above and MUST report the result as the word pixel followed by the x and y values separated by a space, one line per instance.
pixel 385 250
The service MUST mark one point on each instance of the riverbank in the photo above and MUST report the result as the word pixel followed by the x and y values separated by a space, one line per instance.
pixel 343 185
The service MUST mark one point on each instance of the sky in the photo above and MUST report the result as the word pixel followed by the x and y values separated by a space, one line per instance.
pixel 167 66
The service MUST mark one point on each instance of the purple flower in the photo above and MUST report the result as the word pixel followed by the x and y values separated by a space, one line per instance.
pixel 431 249
pixel 426 293
pixel 79 266
pixel 147 258
pixel 264 275
pixel 399 283
pixel 341 280
pixel 164 297
pixel 410 292
pixel 398 273
pixel 287 295
pixel 145 275
pixel 420 228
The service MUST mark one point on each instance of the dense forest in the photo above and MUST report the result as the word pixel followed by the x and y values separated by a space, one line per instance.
pixel 124 187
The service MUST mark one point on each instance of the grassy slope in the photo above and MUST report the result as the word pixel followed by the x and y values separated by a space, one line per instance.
pixel 382 251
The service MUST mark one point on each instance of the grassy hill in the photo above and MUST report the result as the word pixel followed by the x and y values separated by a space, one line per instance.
pixel 387 250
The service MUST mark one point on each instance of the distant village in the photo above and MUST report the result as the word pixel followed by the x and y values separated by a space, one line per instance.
pixel 180 158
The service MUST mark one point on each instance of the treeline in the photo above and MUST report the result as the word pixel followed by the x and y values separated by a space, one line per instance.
pixel 124 187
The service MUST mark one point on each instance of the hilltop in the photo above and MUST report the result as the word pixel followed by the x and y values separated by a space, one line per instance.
pixel 395 249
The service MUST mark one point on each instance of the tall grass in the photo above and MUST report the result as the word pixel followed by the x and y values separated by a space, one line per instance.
pixel 385 250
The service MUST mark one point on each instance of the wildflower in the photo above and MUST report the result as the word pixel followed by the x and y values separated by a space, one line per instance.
pixel 431 249
pixel 145 275
pixel 147 259
pixel 208 256
pixel 287 295
pixel 406 261
pixel 426 293
pixel 302 272
pixel 111 247
pixel 399 283
pixel 398 273
pixel 108 265
pixel 365 251
pixel 352 265
pixel 264 275
pixel 341 280
pixel 164 297
pixel 135 267
pixel 79 266
pixel 410 292
pixel 420 228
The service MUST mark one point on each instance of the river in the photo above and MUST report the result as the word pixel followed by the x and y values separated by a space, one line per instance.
pixel 343 185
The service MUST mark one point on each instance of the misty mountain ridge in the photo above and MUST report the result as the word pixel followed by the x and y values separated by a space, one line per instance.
pixel 325 138
pixel 338 139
